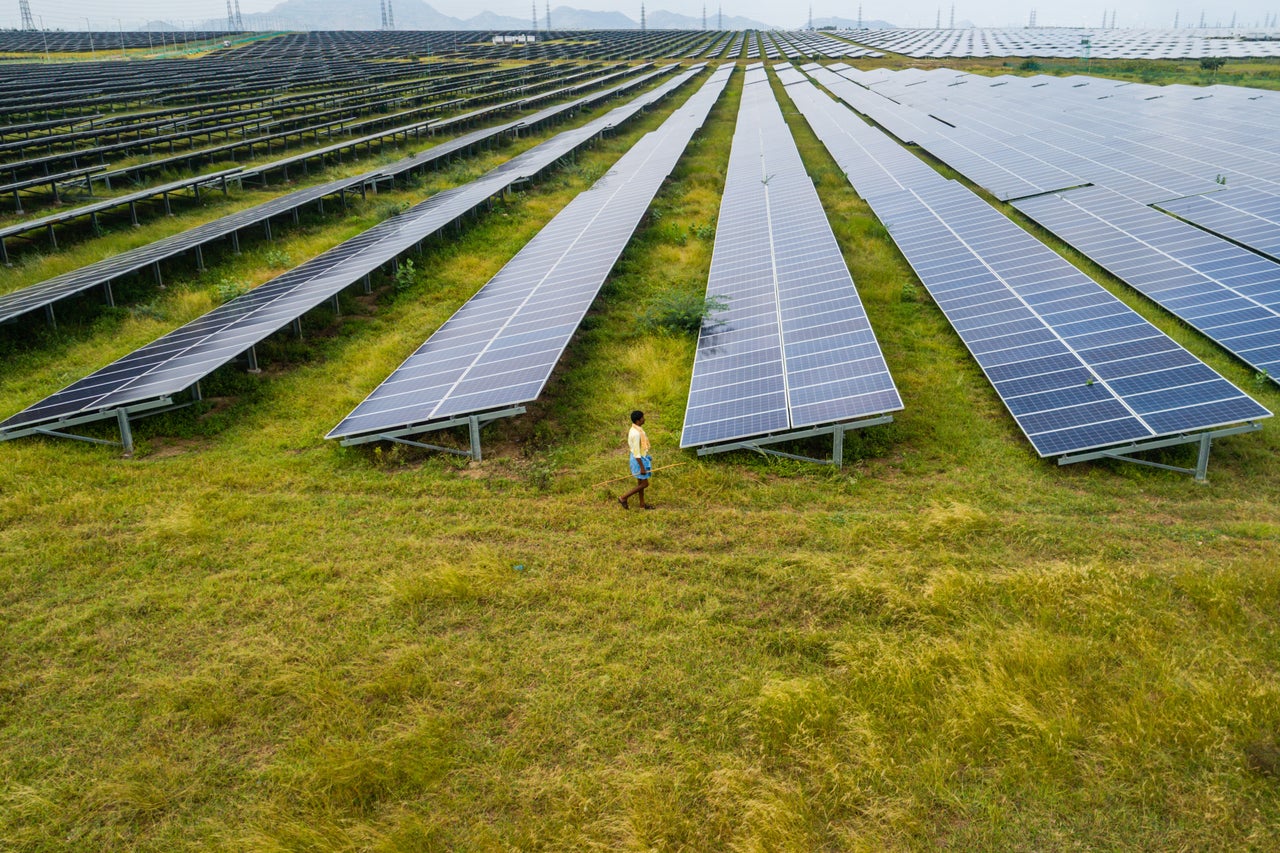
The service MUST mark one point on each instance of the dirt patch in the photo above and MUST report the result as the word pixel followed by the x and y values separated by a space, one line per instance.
pixel 170 447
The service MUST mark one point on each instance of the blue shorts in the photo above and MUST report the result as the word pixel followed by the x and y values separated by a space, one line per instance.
pixel 641 471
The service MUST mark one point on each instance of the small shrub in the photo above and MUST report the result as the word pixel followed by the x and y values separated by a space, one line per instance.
pixel 405 275
pixel 910 291
pixel 147 311
pixel 1261 379
pixel 680 312
pixel 705 231
pixel 1029 65
pixel 279 258
pixel 229 288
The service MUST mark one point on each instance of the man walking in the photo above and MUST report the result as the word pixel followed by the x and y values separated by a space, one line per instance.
pixel 641 461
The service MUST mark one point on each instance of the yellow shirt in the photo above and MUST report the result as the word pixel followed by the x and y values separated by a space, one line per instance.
pixel 637 441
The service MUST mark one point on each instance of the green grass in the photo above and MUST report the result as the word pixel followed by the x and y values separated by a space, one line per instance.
pixel 248 638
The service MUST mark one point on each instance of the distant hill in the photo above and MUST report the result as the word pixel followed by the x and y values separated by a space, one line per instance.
pixel 662 20
pixel 418 15
pixel 852 24
pixel 567 18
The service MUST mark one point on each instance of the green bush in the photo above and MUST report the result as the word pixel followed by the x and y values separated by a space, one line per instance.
pixel 677 311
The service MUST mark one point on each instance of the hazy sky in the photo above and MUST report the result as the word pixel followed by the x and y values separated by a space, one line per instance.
pixel 103 14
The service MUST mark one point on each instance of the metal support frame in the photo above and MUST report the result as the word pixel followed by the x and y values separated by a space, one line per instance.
pixel 57 429
pixel 1204 439
pixel 836 431
pixel 472 422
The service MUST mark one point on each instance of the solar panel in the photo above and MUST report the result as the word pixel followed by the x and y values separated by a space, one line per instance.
pixel 1229 294
pixel 176 362
pixel 1246 215
pixel 45 294
pixel 793 350
pixel 1078 370
pixel 499 349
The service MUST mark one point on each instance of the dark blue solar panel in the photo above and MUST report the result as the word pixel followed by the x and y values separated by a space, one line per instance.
pixel 1230 294
pixel 793 348
pixel 500 348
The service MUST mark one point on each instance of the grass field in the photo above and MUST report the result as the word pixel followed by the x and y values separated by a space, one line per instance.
pixel 248 638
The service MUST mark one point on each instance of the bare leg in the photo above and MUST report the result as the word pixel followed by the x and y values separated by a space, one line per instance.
pixel 638 490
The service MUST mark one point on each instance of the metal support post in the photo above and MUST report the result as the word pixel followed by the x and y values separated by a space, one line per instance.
pixel 199 259
pixel 1202 462
pixel 367 283
pixel 473 423
pixel 235 242
pixel 252 354
pixel 837 446
pixel 48 315
pixel 108 295
pixel 155 268
pixel 337 308
pixel 126 435
pixel 297 327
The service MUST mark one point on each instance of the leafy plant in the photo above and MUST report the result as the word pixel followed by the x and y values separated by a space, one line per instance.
pixel 229 288
pixel 405 275
pixel 279 258
pixel 682 312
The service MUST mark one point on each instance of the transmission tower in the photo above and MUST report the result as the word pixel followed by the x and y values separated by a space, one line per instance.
pixel 231 20
pixel 239 20
pixel 28 22
pixel 810 16
pixel 1202 19
pixel 391 17
pixel 953 16
pixel 704 16
pixel 382 6
pixel 719 17
pixel 937 19
pixel 1175 20
pixel 548 15
pixel 1032 23
pixel 642 27
pixel 859 16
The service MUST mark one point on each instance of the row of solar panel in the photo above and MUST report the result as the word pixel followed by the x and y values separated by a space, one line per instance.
pixel 1130 155
pixel 499 349
pixel 179 360
pixel 45 294
pixel 793 347
pixel 1076 368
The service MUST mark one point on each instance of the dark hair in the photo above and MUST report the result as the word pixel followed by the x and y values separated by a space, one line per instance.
pixel 636 415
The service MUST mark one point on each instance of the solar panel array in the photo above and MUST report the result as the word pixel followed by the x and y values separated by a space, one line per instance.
pixel 182 358
pixel 1111 150
pixel 1228 293
pixel 1246 215
pixel 1068 42
pixel 1076 367
pixel 499 349
pixel 793 348
pixel 47 293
